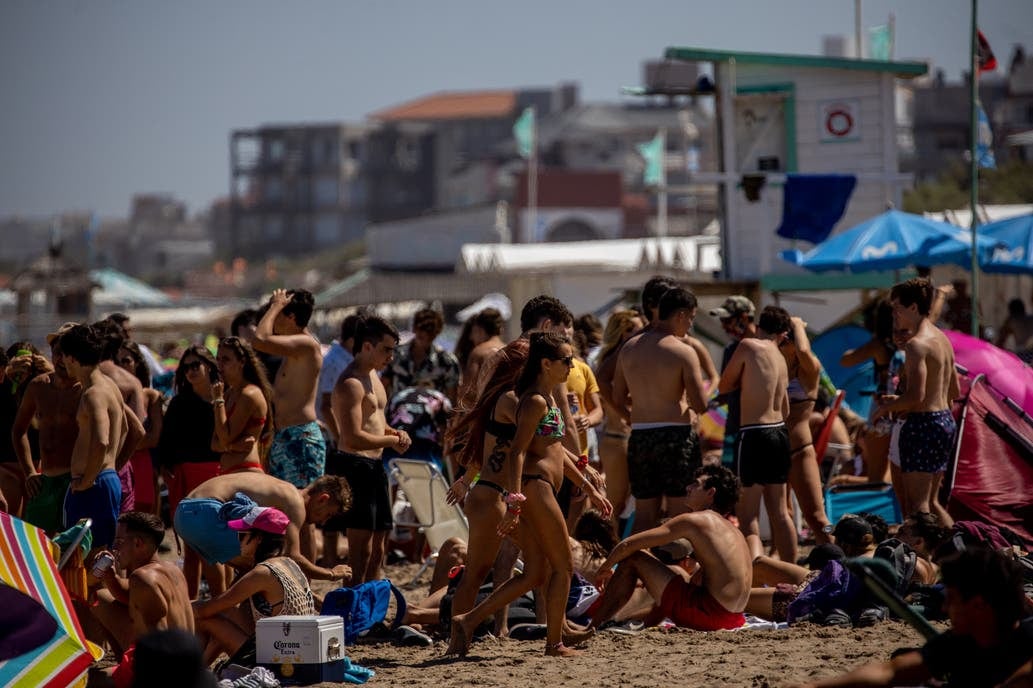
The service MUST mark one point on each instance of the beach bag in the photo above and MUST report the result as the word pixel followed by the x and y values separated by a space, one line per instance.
pixel 364 606
pixel 834 588
pixel 902 559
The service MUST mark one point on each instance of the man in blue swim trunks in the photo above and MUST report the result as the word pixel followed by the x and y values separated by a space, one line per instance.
pixel 298 452
pixel 108 435
pixel 927 435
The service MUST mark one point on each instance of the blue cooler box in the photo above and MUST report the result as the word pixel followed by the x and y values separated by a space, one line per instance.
pixel 301 650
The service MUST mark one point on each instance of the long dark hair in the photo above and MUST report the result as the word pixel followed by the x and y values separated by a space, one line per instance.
pixel 543 345
pixel 468 428
pixel 595 533
pixel 140 368
pixel 254 373
pixel 180 382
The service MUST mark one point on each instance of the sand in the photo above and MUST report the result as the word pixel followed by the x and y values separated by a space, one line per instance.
pixel 651 658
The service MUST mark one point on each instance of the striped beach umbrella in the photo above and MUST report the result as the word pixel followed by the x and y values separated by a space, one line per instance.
pixel 27 566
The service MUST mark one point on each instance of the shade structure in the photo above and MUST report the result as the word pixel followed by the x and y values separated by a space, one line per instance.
pixel 893 240
pixel 27 565
pixel 1015 252
pixel 857 381
pixel 1004 371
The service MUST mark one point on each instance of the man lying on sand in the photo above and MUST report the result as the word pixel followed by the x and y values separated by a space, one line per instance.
pixel 715 596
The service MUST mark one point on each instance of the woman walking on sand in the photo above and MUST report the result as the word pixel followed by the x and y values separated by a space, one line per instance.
pixel 534 473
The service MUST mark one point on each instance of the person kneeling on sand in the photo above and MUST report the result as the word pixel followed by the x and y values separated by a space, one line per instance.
pixel 715 596
pixel 273 585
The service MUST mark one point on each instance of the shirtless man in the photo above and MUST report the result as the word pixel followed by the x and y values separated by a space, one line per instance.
pixel 337 358
pixel 52 400
pixel 662 377
pixel 108 435
pixel 151 595
pixel 762 459
pixel 486 330
pixel 714 596
pixel 359 401
pixel 927 435
pixel 201 518
pixel 298 453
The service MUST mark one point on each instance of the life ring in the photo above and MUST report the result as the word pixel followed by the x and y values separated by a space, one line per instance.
pixel 839 122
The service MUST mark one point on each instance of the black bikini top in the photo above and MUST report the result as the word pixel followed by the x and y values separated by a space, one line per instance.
pixel 503 431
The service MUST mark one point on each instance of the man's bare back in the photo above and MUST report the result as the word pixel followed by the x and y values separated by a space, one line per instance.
pixel 264 489
pixel 722 552
pixel 930 350
pixel 158 599
pixel 759 371
pixel 128 386
pixel 662 376
pixel 103 429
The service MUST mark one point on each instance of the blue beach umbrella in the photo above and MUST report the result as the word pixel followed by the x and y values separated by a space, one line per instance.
pixel 891 241
pixel 1014 254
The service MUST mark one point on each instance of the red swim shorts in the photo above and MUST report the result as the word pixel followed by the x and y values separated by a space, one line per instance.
pixel 691 606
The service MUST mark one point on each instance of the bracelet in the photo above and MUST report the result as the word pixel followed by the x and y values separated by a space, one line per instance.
pixel 582 462
pixel 218 402
pixel 513 509
pixel 514 498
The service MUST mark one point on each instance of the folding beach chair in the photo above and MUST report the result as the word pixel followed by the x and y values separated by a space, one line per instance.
pixel 425 488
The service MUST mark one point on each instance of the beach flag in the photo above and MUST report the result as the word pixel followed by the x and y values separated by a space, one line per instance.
pixel 523 132
pixel 880 42
pixel 984 55
pixel 653 153
pixel 985 141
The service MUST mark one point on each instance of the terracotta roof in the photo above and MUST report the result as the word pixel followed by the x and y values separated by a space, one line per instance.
pixel 452 105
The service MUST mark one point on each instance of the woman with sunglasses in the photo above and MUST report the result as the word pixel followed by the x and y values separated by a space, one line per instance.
pixel 185 448
pixel 145 477
pixel 240 403
pixel 534 472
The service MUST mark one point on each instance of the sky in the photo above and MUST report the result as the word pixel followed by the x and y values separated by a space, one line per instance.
pixel 103 99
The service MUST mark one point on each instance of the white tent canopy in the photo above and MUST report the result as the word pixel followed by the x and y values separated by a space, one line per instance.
pixel 690 254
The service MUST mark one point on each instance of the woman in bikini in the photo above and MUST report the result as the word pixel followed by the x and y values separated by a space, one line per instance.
pixel 487 432
pixel 185 452
pixel 613 442
pixel 804 476
pixel 241 408
pixel 534 472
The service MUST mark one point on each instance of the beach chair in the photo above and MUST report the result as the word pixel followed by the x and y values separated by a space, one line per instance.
pixel 425 488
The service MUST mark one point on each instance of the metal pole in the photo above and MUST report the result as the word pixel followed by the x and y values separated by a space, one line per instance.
pixel 974 164
pixel 532 183
pixel 857 29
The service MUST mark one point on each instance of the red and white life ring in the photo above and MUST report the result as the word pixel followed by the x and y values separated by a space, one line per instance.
pixel 839 122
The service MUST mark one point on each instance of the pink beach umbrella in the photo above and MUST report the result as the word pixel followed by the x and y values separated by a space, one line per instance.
pixel 1005 371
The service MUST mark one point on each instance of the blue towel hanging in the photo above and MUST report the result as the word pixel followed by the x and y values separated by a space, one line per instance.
pixel 812 204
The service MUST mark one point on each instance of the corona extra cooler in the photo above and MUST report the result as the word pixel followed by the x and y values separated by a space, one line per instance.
pixel 301 650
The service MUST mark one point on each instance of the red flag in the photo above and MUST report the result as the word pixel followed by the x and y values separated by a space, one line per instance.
pixel 984 55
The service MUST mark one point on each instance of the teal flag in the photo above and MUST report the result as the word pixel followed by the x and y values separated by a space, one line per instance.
pixel 985 141
pixel 523 132
pixel 880 43
pixel 653 153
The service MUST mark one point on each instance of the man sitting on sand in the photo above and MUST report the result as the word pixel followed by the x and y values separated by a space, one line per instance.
pixel 200 519
pixel 715 596
pixel 153 594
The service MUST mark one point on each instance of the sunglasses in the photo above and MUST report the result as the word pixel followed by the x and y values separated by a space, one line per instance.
pixel 192 366
pixel 569 360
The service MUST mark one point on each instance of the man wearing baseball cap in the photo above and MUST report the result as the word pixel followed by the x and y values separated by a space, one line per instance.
pixel 274 585
pixel 737 315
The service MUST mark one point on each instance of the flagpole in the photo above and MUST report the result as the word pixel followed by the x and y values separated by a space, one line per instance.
pixel 857 29
pixel 661 196
pixel 532 180
pixel 974 164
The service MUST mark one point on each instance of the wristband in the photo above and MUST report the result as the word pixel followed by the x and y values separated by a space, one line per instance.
pixel 582 462
pixel 513 509
pixel 514 499
pixel 218 402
